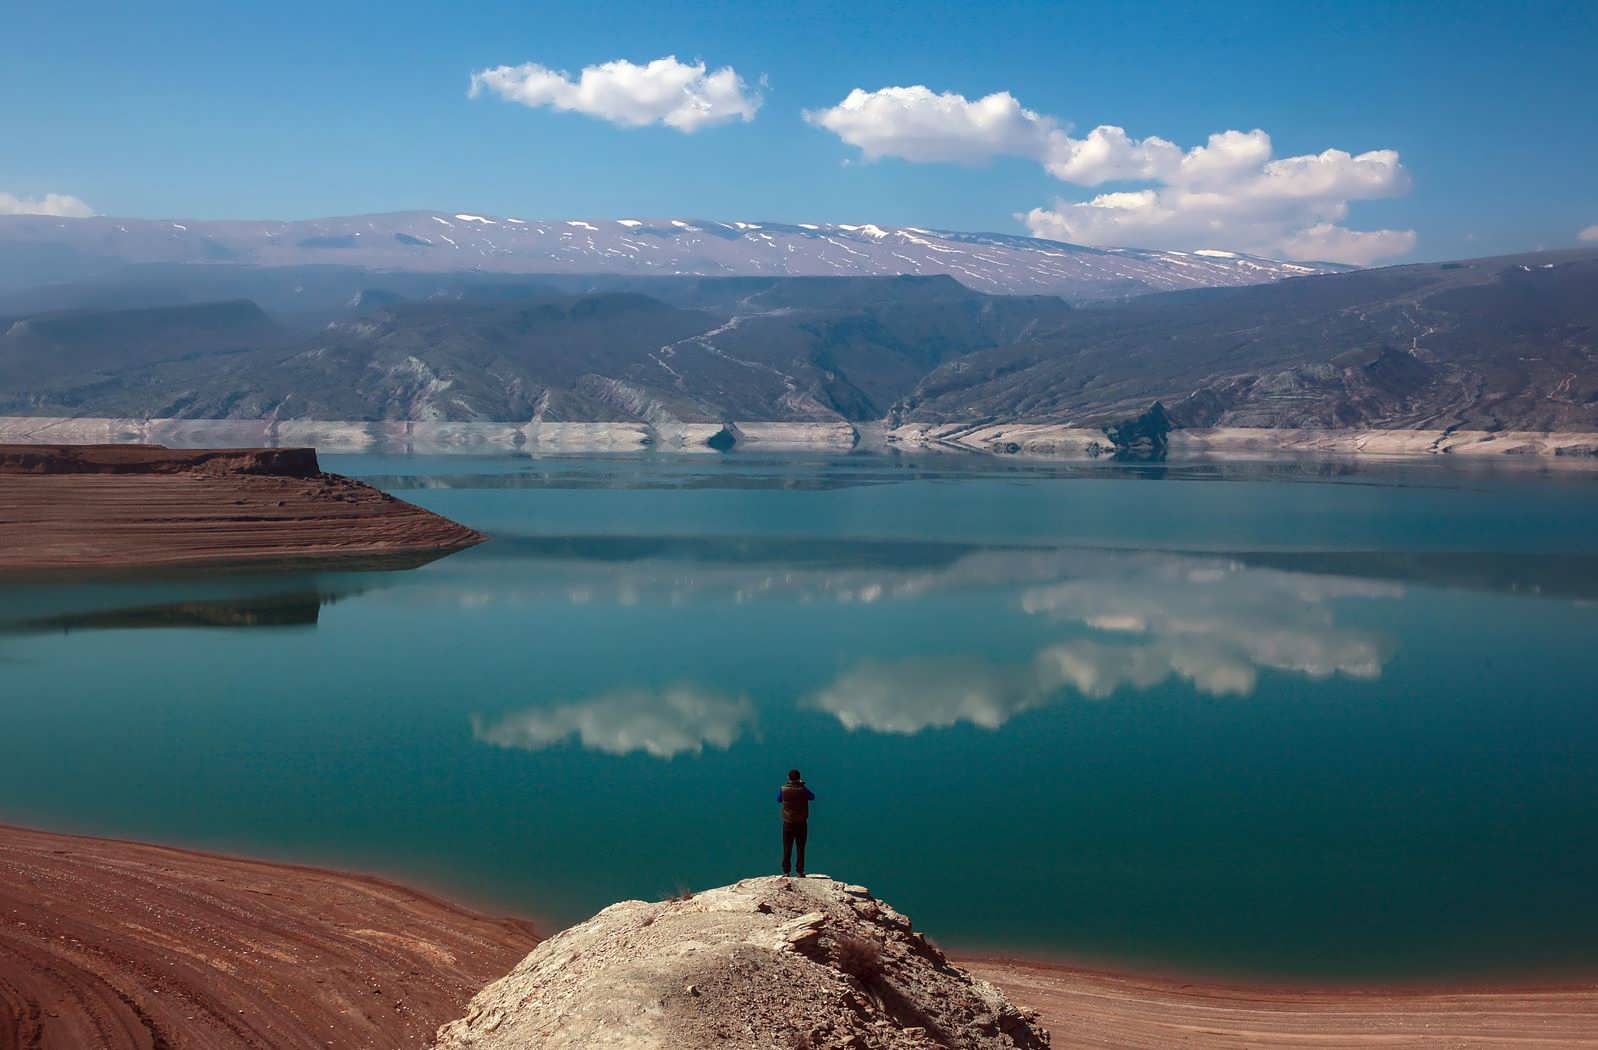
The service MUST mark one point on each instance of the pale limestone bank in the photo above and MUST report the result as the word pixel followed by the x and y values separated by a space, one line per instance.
pixel 1046 440
pixel 764 964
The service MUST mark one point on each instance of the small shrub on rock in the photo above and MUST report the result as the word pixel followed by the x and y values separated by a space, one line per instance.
pixel 860 958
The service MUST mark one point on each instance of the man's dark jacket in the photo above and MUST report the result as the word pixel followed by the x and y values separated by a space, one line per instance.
pixel 795 799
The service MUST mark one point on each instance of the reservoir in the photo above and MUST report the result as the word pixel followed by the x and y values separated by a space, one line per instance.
pixel 1310 720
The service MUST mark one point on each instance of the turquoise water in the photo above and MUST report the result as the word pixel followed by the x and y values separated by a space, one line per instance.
pixel 1298 720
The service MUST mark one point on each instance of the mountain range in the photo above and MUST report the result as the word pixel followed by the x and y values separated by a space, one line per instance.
pixel 1491 344
pixel 36 247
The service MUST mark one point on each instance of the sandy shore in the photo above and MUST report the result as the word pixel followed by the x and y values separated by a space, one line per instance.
pixel 120 944
pixel 117 944
pixel 130 506
pixel 1088 1008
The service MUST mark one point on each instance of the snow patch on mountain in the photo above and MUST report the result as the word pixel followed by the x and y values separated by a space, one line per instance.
pixel 988 262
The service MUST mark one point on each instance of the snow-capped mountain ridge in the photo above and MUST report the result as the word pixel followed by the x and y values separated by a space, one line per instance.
pixel 446 241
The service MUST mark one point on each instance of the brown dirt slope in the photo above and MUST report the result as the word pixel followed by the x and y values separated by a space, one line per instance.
pixel 1090 1009
pixel 116 944
pixel 121 945
pixel 129 507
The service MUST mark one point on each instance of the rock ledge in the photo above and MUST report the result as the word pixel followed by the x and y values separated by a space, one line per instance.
pixel 769 963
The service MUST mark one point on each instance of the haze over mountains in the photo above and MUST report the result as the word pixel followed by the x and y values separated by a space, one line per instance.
pixel 1491 344
pixel 35 247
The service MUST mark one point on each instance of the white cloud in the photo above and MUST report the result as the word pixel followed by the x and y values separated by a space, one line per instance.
pixel 678 94
pixel 663 723
pixel 1589 234
pixel 1230 192
pixel 61 204
pixel 919 125
pixel 1339 244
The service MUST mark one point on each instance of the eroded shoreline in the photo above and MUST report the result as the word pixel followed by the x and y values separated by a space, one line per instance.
pixel 126 944
pixel 109 508
pixel 1049 440
pixel 118 944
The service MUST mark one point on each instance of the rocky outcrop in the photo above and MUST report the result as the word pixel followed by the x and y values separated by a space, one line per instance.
pixel 1143 438
pixel 769 963
pixel 156 459
pixel 144 506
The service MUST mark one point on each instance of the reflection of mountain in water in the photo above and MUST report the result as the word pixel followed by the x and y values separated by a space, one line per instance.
pixel 1549 575
pixel 679 567
pixel 828 473
pixel 715 551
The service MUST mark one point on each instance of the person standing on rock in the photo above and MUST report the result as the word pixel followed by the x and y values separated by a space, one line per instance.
pixel 795 799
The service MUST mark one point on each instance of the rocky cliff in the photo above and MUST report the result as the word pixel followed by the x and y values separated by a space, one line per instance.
pixel 768 963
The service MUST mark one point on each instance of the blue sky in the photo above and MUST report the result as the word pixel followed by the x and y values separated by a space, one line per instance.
pixel 1471 127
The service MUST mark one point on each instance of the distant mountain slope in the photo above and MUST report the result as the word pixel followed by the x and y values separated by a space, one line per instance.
pixel 1489 344
pixel 1502 343
pixel 35 249
pixel 750 348
pixel 63 361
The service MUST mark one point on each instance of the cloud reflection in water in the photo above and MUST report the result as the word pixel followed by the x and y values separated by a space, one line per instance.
pixel 1211 622
pixel 677 720
pixel 1137 619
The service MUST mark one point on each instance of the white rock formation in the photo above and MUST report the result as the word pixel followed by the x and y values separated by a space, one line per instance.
pixel 1043 440
pixel 768 963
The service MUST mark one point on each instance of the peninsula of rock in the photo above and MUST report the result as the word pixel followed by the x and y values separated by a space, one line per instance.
pixel 118 507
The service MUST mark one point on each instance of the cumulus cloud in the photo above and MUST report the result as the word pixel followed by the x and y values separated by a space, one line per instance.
pixel 61 204
pixel 1589 234
pixel 1231 191
pixel 681 95
pixel 664 723
pixel 1339 244
pixel 919 125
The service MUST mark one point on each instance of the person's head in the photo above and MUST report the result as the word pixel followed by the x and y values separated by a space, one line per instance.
pixel 793 774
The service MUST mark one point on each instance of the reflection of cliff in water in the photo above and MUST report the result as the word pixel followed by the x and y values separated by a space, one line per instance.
pixel 769 551
pixel 822 474
pixel 294 601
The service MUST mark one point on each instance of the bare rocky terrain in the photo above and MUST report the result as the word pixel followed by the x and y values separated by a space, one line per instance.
pixel 1487 347
pixel 770 963
pixel 117 944
pixel 117 507
pixel 1497 344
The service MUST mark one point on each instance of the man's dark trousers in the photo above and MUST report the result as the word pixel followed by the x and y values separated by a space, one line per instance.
pixel 794 834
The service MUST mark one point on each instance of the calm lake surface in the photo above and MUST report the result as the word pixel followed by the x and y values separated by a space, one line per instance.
pixel 1302 720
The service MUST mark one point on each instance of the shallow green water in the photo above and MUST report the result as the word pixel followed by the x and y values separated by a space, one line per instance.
pixel 1298 720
